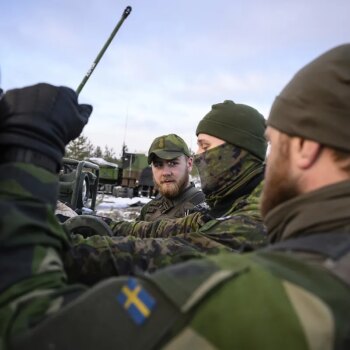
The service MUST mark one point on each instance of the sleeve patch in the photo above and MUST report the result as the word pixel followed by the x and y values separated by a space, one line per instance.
pixel 137 302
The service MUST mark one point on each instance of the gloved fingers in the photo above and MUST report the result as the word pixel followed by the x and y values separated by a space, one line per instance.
pixel 85 111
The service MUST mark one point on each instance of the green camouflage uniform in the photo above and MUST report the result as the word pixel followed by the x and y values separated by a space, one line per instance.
pixel 265 300
pixel 237 226
pixel 234 202
pixel 166 208
pixel 169 147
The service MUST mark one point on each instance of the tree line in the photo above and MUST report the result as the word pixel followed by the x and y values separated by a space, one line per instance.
pixel 82 148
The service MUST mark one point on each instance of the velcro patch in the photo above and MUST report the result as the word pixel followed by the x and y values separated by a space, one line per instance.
pixel 137 302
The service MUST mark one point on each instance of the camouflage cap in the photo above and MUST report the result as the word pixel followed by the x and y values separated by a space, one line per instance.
pixel 168 147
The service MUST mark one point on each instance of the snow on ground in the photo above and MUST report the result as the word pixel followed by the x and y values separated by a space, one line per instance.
pixel 118 208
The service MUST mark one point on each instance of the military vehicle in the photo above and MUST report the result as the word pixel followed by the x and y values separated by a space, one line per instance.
pixel 146 184
pixel 132 165
pixel 128 179
pixel 78 183
pixel 110 174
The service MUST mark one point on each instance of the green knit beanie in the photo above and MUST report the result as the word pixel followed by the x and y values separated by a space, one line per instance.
pixel 315 104
pixel 237 124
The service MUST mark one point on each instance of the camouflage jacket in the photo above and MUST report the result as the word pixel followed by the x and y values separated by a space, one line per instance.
pixel 218 302
pixel 240 227
pixel 165 208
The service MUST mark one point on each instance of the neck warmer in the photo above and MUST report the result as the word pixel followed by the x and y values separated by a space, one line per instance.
pixel 320 211
pixel 225 169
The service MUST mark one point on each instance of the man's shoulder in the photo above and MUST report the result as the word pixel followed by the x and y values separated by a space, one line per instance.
pixel 150 208
pixel 191 195
pixel 278 288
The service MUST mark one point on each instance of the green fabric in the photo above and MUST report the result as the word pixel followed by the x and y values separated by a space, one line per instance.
pixel 168 147
pixel 166 208
pixel 229 300
pixel 238 124
pixel 302 213
pixel 243 301
pixel 224 170
pixel 247 315
pixel 315 104
pixel 148 246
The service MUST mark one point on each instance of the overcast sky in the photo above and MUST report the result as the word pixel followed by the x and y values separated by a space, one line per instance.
pixel 170 61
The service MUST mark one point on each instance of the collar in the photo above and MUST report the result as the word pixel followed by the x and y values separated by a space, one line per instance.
pixel 323 210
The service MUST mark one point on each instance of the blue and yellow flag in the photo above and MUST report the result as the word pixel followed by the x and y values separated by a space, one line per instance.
pixel 136 301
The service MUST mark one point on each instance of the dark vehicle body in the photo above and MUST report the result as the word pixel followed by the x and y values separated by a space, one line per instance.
pixel 78 184
pixel 125 179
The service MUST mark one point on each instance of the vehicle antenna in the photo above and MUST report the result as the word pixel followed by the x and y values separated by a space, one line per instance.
pixel 125 126
pixel 101 53
pixel 1 91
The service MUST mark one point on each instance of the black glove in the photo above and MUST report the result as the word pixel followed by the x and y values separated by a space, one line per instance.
pixel 37 122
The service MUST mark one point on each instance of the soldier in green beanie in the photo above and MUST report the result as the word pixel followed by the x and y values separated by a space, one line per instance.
pixel 231 169
pixel 294 294
pixel 231 152
pixel 171 163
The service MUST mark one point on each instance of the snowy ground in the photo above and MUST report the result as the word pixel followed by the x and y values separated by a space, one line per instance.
pixel 118 208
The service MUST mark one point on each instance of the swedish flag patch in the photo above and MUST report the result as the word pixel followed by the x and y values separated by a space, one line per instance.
pixel 136 301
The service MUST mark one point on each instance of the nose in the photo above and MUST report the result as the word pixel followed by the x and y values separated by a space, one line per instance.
pixel 166 170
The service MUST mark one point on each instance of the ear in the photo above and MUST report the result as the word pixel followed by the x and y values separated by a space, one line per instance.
pixel 307 153
pixel 189 164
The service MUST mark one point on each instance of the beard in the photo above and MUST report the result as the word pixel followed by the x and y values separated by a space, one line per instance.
pixel 279 185
pixel 173 188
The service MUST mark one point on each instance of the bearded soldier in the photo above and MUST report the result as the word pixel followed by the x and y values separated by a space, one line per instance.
pixel 294 294
pixel 230 157
pixel 171 167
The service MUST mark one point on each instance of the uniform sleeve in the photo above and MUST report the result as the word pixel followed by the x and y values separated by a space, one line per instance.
pixel 141 217
pixel 33 280
pixel 158 229
pixel 242 228
pixel 92 259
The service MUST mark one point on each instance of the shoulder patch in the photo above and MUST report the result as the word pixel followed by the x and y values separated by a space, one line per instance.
pixel 136 301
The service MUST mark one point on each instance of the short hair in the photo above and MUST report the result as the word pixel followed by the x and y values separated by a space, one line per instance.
pixel 342 158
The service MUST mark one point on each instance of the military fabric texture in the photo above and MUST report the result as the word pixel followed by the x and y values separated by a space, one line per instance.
pixel 238 124
pixel 166 208
pixel 303 212
pixel 146 246
pixel 42 118
pixel 210 302
pixel 315 104
pixel 225 169
pixel 168 147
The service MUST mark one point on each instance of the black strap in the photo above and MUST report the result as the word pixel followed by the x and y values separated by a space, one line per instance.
pixel 22 155
pixel 189 191
pixel 198 198
pixel 333 245
pixel 167 204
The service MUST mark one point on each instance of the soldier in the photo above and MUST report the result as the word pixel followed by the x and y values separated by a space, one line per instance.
pixel 230 156
pixel 171 167
pixel 292 295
